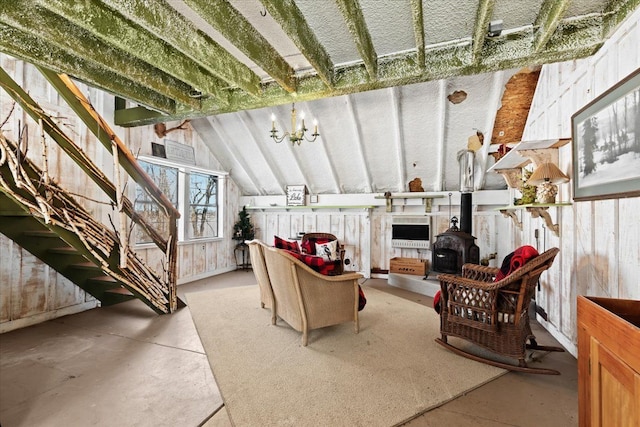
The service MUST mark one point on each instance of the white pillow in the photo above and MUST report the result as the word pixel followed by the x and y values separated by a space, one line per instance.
pixel 328 251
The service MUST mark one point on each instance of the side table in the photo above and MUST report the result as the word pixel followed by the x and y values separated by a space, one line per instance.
pixel 241 255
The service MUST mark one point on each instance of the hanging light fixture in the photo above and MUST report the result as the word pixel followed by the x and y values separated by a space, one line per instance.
pixel 298 131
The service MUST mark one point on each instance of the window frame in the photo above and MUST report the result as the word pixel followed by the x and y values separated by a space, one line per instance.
pixel 184 203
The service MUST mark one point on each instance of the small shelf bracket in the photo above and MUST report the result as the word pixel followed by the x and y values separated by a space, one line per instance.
pixel 509 213
pixel 542 211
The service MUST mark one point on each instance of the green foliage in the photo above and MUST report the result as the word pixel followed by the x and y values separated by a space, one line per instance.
pixel 243 228
pixel 528 191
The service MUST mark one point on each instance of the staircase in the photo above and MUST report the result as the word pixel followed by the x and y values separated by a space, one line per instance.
pixel 53 227
pixel 47 221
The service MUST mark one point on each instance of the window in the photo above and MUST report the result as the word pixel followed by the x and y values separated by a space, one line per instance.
pixel 195 193
pixel 203 205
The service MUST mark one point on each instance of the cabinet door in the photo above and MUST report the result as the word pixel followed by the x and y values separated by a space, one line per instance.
pixel 615 390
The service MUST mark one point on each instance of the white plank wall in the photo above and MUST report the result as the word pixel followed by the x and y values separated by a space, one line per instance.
pixel 599 242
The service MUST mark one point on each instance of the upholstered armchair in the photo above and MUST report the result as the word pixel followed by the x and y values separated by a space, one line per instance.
pixel 308 300
pixel 493 314
pixel 309 240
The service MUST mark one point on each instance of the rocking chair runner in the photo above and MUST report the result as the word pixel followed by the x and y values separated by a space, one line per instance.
pixel 493 315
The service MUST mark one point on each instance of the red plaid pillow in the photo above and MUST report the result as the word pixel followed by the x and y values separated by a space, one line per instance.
pixel 316 263
pixel 288 245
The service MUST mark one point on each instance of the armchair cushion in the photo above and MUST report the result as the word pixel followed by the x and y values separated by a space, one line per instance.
pixel 515 260
pixel 290 245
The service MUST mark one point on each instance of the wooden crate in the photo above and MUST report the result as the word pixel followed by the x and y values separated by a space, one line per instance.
pixel 414 266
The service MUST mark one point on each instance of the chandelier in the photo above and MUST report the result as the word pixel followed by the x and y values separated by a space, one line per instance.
pixel 298 132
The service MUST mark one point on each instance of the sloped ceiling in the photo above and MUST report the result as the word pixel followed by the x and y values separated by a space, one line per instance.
pixel 375 73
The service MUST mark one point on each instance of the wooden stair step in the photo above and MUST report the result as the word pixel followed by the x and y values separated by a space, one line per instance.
pixel 66 250
pixel 119 291
pixel 40 233
pixel 85 266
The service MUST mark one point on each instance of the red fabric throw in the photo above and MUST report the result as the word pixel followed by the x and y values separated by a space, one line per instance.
pixel 318 264
pixel 436 301
pixel 515 260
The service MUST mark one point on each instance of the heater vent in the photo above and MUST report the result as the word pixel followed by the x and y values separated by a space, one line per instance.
pixel 410 232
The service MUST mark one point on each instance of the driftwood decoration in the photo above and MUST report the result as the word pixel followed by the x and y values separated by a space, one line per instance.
pixel 162 131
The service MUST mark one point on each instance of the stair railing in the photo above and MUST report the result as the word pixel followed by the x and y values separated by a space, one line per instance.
pixel 128 162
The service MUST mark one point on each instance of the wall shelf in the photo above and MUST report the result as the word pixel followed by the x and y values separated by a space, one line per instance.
pixel 537 210
pixel 428 199
pixel 307 207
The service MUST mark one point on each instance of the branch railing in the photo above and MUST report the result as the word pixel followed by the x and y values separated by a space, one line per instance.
pixel 103 132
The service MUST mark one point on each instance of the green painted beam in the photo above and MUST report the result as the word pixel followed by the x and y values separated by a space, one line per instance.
pixel 580 39
pixel 483 18
pixel 179 32
pixel 36 51
pixel 352 13
pixel 418 30
pixel 42 24
pixel 287 14
pixel 114 29
pixel 616 12
pixel 547 21
pixel 222 16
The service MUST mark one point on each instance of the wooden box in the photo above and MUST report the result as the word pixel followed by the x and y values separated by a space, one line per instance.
pixel 414 266
pixel 608 362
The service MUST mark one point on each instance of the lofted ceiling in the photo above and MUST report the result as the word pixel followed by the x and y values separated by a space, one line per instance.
pixel 376 74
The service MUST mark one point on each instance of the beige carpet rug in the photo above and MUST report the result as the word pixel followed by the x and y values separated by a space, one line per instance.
pixel 387 374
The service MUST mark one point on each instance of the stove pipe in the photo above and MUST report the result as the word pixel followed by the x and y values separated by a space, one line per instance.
pixel 466 162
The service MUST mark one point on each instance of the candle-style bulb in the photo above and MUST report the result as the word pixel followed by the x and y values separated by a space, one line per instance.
pixel 273 122
pixel 315 126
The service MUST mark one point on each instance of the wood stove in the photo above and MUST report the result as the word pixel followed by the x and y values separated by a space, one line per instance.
pixel 452 249
pixel 456 246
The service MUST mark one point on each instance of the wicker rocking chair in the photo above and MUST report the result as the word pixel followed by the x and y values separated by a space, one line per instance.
pixel 493 315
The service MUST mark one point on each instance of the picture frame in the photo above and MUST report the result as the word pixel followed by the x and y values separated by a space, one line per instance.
pixel 296 195
pixel 606 143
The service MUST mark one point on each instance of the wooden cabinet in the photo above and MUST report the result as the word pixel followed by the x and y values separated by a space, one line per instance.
pixel 608 362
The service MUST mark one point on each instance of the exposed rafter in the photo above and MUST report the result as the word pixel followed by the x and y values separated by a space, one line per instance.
pixel 394 95
pixel 418 30
pixel 38 52
pixel 21 14
pixel 287 14
pixel 359 145
pixel 180 33
pixel 358 27
pixel 483 18
pixel 163 54
pixel 547 21
pixel 114 29
pixel 235 28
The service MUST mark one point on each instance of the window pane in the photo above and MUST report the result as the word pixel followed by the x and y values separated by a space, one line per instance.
pixel 203 206
pixel 166 178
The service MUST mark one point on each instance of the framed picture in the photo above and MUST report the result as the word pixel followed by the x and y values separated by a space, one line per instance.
pixel 606 144
pixel 296 195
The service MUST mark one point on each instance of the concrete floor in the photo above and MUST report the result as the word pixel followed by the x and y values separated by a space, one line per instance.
pixel 125 366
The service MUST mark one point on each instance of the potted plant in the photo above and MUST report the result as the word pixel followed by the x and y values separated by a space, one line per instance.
pixel 243 228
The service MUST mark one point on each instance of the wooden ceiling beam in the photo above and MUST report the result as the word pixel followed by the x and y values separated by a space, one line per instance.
pixel 289 17
pixel 580 38
pixel 352 13
pixel 38 52
pixel 547 21
pixel 483 19
pixel 418 30
pixel 177 31
pixel 235 28
pixel 55 30
pixel 114 29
